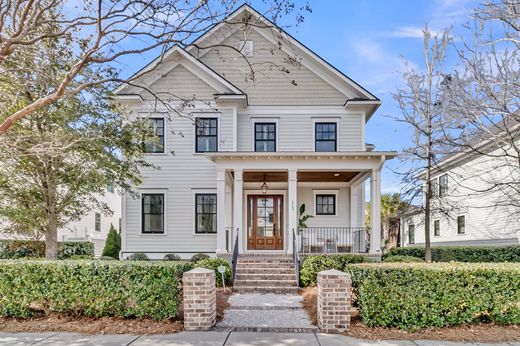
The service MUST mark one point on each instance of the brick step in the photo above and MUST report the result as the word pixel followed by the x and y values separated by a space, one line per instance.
pixel 264 260
pixel 265 271
pixel 266 283
pixel 265 276
pixel 265 289
pixel 264 265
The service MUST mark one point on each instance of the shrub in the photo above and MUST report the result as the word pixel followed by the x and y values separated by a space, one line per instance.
pixel 399 258
pixel 138 256
pixel 171 257
pixel 312 265
pixel 214 263
pixel 415 295
pixel 92 288
pixel 198 256
pixel 463 254
pixel 80 257
pixel 112 243
pixel 12 249
pixel 106 258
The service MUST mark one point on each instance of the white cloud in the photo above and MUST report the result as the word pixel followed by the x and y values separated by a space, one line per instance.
pixel 411 32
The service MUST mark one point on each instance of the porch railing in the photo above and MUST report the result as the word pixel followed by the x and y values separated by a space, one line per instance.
pixel 322 240
pixel 296 259
pixel 234 259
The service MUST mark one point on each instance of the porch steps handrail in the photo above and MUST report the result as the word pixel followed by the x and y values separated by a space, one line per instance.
pixel 296 259
pixel 234 259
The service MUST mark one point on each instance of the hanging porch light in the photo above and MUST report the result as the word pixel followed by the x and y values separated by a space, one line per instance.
pixel 264 186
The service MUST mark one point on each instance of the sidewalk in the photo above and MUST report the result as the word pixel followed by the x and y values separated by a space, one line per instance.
pixel 213 339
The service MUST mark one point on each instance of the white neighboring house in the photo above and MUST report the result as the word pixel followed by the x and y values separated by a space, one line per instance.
pixel 248 153
pixel 92 227
pixel 468 212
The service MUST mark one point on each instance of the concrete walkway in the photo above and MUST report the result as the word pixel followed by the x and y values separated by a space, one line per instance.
pixel 213 339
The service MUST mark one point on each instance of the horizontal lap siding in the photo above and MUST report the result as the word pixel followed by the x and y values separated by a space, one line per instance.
pixel 181 83
pixel 277 82
pixel 342 217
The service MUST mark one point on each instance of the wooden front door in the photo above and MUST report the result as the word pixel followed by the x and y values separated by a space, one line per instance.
pixel 265 222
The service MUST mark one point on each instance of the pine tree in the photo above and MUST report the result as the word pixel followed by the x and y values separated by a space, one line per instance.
pixel 112 244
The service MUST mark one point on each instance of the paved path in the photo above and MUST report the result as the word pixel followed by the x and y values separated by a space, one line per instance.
pixel 213 339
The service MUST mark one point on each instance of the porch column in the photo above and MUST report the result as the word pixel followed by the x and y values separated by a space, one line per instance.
pixel 221 211
pixel 355 199
pixel 238 191
pixel 375 211
pixel 292 205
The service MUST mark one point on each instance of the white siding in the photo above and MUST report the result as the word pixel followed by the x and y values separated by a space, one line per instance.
pixel 342 217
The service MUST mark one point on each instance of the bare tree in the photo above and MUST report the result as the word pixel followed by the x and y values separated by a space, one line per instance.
pixel 421 104
pixel 104 34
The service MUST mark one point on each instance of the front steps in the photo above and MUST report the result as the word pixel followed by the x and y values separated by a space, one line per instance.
pixel 265 274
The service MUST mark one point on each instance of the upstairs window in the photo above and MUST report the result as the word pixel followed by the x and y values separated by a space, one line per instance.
pixel 152 213
pixel 461 224
pixel 411 234
pixel 434 187
pixel 205 213
pixel 436 228
pixel 265 137
pixel 325 204
pixel 325 135
pixel 97 224
pixel 206 135
pixel 156 145
pixel 443 185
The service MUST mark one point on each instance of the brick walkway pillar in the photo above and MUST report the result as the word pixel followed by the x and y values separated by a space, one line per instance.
pixel 200 299
pixel 334 289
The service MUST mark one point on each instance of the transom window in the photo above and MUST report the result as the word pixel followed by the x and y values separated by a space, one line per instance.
pixel 325 204
pixel 205 213
pixel 411 234
pixel 265 137
pixel 443 185
pixel 156 145
pixel 325 137
pixel 461 224
pixel 436 228
pixel 153 213
pixel 206 135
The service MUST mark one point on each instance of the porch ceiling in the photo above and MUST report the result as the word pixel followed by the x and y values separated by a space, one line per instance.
pixel 257 177
pixel 307 177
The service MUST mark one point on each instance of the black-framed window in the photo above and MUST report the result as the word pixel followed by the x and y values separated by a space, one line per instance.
pixel 434 187
pixel 265 137
pixel 205 213
pixel 437 228
pixel 461 224
pixel 411 234
pixel 206 130
pixel 325 135
pixel 152 213
pixel 156 145
pixel 325 204
pixel 97 223
pixel 443 185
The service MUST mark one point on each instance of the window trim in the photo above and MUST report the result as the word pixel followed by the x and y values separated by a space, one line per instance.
pixel 326 193
pixel 152 192
pixel 439 223
pixel 465 223
pixel 198 193
pixel 413 225
pixel 196 117
pixel 153 118
pixel 96 215
pixel 323 122
pixel 275 140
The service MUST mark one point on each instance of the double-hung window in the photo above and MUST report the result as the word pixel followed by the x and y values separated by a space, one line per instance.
pixel 325 204
pixel 97 224
pixel 325 136
pixel 461 224
pixel 411 234
pixel 443 185
pixel 206 130
pixel 205 213
pixel 437 228
pixel 155 145
pixel 152 213
pixel 265 137
pixel 434 186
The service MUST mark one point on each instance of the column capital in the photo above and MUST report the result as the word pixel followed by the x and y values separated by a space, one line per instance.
pixel 239 173
pixel 292 174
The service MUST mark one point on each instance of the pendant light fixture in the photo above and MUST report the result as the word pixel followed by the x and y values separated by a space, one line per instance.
pixel 264 186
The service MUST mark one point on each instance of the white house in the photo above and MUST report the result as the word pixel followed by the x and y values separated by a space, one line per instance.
pixel 468 208
pixel 238 156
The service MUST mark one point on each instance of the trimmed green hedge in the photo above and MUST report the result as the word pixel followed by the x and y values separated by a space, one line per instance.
pixel 314 264
pixel 92 288
pixel 399 258
pixel 12 249
pixel 214 263
pixel 415 295
pixel 463 254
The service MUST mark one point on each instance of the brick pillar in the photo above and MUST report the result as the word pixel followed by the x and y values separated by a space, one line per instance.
pixel 200 299
pixel 334 289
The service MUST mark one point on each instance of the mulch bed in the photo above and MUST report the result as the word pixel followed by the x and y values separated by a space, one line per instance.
pixel 464 333
pixel 57 322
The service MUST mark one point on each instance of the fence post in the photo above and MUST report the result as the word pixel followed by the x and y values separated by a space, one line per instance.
pixel 334 289
pixel 200 299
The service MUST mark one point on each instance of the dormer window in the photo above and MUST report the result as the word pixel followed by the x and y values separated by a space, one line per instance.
pixel 246 47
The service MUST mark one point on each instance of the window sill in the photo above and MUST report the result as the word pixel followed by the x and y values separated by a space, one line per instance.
pixel 204 234
pixel 152 234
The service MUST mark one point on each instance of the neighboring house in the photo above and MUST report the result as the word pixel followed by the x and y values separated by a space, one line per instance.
pixel 248 153
pixel 92 227
pixel 467 210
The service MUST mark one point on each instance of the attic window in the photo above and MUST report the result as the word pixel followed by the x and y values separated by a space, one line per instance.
pixel 246 47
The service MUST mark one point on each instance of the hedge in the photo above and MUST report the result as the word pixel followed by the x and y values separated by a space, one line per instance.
pixel 400 258
pixel 463 254
pixel 314 264
pixel 11 249
pixel 420 295
pixel 214 263
pixel 91 288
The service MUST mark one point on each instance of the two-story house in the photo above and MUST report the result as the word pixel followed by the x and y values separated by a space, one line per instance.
pixel 255 126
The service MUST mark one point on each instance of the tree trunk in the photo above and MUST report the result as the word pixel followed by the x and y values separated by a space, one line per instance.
pixel 427 211
pixel 51 236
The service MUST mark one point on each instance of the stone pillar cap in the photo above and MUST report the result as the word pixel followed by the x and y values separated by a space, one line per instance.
pixel 333 272
pixel 200 270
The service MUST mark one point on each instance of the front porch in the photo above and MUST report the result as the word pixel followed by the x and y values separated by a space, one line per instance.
pixel 260 197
